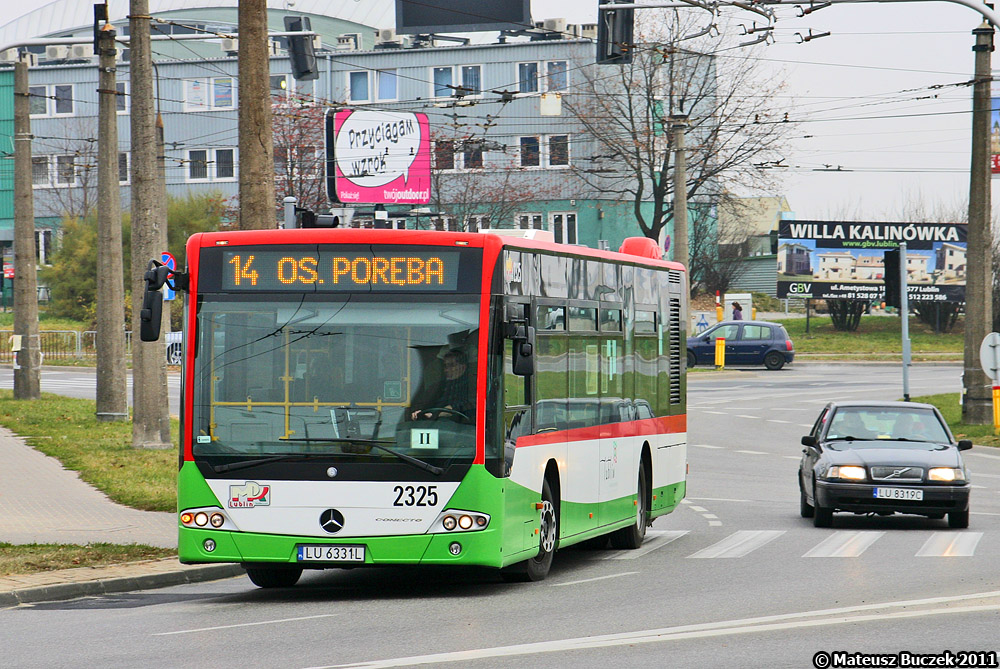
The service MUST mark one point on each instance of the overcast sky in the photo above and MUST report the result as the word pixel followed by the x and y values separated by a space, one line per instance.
pixel 880 99
pixel 860 97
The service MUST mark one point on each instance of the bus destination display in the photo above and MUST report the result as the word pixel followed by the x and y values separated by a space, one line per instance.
pixel 311 271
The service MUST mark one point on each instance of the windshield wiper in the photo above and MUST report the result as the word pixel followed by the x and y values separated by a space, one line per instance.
pixel 408 459
pixel 260 461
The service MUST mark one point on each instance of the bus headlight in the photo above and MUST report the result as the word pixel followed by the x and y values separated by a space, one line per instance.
pixel 207 518
pixel 453 520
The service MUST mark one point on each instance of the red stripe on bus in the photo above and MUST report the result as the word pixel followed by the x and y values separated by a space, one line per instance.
pixel 636 428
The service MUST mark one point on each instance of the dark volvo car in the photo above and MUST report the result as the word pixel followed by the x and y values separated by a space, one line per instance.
pixel 747 343
pixel 883 458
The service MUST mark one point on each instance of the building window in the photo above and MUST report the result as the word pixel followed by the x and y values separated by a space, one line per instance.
pixel 51 100
pixel 444 79
pixel 38 100
pixel 43 246
pixel 66 170
pixel 210 93
pixel 530 153
pixel 477 222
pixel 472 156
pixel 527 77
pixel 358 87
pixel 529 221
pixel 198 165
pixel 39 170
pixel 557 75
pixel 444 155
pixel 387 84
pixel 211 164
pixel 563 226
pixel 225 166
pixel 122 167
pixel 558 150
pixel 472 79
pixel 442 82
pixel 121 99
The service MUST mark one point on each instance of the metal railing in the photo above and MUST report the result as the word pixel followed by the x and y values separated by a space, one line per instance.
pixel 60 344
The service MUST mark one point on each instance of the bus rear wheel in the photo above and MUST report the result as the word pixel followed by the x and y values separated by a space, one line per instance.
pixel 632 536
pixel 274 577
pixel 537 568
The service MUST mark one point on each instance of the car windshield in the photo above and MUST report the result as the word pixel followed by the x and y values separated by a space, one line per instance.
pixel 338 375
pixel 894 426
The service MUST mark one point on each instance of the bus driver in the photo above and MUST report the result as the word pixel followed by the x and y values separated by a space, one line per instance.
pixel 454 394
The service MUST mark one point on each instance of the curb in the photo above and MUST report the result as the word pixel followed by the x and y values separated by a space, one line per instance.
pixel 107 586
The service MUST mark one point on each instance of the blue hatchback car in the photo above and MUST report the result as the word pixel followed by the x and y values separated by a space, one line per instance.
pixel 747 343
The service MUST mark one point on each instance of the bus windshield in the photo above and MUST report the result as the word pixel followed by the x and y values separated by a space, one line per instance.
pixel 351 377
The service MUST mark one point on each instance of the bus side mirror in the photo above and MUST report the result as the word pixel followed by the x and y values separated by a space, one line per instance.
pixel 152 301
pixel 524 350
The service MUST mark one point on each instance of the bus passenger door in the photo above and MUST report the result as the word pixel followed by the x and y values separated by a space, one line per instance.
pixel 618 467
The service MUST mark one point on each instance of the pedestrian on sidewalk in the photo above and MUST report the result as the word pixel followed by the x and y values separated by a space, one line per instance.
pixel 737 311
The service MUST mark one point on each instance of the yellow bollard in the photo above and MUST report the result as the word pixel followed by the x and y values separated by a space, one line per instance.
pixel 719 315
pixel 996 409
pixel 753 313
pixel 720 354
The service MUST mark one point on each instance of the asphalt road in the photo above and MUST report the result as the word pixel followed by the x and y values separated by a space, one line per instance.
pixel 733 578
pixel 82 382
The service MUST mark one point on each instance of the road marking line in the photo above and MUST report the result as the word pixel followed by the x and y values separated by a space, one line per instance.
pixel 983 455
pixel 262 622
pixel 714 523
pixel 950 544
pixel 699 509
pixel 989 476
pixel 753 452
pixel 720 413
pixel 844 544
pixel 597 578
pixel 792 457
pixel 776 420
pixel 681 632
pixel 706 446
pixel 742 415
pixel 709 515
pixel 739 544
pixel 716 499
pixel 661 539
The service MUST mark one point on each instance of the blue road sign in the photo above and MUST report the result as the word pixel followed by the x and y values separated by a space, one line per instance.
pixel 168 260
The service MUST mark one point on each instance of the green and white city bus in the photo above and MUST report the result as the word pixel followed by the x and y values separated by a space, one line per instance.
pixel 374 397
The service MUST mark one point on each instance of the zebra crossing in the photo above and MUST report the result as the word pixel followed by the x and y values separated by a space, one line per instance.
pixel 837 544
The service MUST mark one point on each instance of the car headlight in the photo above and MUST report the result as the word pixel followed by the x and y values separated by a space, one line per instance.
pixel 849 472
pixel 945 474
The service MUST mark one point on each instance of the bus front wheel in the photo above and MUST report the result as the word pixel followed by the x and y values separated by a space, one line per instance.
pixel 537 568
pixel 274 577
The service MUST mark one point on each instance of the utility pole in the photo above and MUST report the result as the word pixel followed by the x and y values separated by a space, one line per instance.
pixel 150 414
pixel 111 394
pixel 977 400
pixel 27 359
pixel 256 144
pixel 679 242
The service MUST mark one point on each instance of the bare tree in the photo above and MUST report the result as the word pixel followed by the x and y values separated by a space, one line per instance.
pixel 488 189
pixel 66 168
pixel 298 126
pixel 735 130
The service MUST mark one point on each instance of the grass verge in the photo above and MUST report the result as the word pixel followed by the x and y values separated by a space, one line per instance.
pixel 67 429
pixel 949 406
pixel 876 336
pixel 33 558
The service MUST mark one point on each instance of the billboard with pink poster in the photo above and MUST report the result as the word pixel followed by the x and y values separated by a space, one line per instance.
pixel 378 157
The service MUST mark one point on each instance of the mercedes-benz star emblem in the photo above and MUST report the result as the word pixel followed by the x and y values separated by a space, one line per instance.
pixel 331 521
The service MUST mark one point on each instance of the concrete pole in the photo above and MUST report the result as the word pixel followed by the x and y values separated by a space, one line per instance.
pixel 679 242
pixel 111 390
pixel 28 359
pixel 977 400
pixel 256 161
pixel 150 414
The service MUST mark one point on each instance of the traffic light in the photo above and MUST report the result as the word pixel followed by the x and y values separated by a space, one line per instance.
pixel 890 262
pixel 614 36
pixel 300 49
